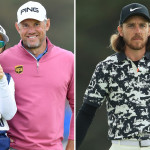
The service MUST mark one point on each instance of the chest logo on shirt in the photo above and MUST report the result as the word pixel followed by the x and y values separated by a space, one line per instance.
pixel 19 69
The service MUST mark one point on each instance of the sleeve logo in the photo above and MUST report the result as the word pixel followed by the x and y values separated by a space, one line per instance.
pixel 19 69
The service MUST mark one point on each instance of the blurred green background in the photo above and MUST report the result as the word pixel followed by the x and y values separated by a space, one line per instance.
pixel 96 21
pixel 61 14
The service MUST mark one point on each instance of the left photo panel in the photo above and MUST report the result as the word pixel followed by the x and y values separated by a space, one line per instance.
pixel 37 61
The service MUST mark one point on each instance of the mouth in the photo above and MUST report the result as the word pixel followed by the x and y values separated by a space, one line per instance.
pixel 139 38
pixel 32 37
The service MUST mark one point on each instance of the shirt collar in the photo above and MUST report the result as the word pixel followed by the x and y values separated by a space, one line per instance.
pixel 121 56
pixel 147 55
pixel 40 55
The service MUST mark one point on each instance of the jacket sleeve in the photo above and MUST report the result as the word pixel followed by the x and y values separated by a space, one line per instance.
pixel 7 99
pixel 97 90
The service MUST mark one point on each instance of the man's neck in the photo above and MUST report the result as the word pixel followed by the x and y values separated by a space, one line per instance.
pixel 36 51
pixel 135 55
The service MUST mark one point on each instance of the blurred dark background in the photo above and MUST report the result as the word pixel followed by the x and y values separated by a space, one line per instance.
pixel 61 14
pixel 96 21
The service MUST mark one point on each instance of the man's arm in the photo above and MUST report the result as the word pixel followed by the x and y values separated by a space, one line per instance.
pixel 1 72
pixel 84 119
pixel 7 101
pixel 70 145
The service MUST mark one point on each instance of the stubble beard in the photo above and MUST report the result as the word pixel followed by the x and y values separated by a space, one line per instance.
pixel 30 46
pixel 136 46
pixel 33 46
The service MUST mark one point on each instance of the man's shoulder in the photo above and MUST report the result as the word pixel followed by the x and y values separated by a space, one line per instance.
pixel 8 56
pixel 110 60
pixel 57 50
pixel 9 52
pixel 63 52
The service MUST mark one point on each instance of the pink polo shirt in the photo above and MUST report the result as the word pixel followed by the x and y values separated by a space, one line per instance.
pixel 41 89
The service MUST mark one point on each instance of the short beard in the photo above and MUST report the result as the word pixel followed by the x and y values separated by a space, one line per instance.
pixel 32 47
pixel 136 48
pixel 35 46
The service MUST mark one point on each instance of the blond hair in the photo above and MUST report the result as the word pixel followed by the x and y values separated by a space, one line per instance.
pixel 118 45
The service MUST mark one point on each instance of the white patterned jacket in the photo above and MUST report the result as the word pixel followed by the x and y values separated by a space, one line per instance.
pixel 126 89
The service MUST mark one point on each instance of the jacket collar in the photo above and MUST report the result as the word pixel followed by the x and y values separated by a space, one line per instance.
pixel 121 56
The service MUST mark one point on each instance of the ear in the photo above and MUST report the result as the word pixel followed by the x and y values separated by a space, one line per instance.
pixel 119 28
pixel 48 24
pixel 149 30
pixel 17 27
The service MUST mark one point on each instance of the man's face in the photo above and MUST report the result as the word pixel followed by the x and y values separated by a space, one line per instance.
pixel 33 32
pixel 135 32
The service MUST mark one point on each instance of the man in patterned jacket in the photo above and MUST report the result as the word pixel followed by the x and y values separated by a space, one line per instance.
pixel 123 80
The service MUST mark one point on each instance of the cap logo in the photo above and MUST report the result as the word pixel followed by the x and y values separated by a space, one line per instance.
pixel 133 9
pixel 32 9
pixel 19 69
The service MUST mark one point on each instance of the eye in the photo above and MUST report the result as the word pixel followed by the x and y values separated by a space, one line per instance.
pixel 130 25
pixel 142 25
pixel 37 24
pixel 25 25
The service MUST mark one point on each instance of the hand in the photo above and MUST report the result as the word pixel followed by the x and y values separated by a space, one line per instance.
pixel 70 145
pixel 11 140
pixel 1 72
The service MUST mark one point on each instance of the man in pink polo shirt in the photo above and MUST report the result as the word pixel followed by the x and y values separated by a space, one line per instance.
pixel 44 78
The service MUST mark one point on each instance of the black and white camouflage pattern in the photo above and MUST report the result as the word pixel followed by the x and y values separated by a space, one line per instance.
pixel 127 95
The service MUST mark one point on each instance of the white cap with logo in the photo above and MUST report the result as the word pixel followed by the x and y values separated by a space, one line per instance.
pixel 31 10
pixel 3 34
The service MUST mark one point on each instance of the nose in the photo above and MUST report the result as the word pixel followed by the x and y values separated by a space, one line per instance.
pixel 31 29
pixel 137 29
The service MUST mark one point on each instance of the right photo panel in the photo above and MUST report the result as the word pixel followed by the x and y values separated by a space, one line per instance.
pixel 112 75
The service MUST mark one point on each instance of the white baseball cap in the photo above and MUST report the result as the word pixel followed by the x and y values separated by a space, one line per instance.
pixel 3 34
pixel 31 10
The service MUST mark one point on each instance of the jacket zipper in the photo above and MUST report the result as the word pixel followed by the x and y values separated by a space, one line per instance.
pixel 37 65
pixel 37 62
